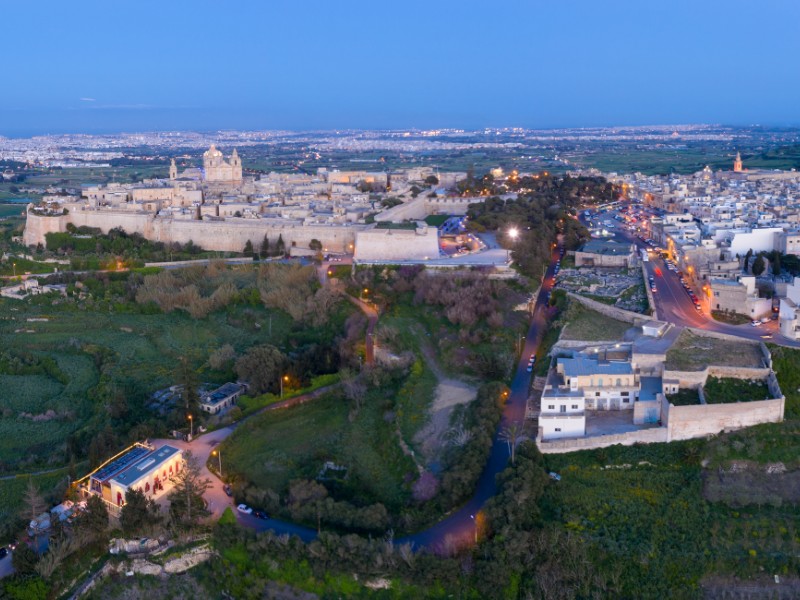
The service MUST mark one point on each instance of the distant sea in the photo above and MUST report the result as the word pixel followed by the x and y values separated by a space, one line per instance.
pixel 15 201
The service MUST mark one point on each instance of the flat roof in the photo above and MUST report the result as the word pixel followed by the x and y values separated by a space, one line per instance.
pixel 582 365
pixel 121 463
pixel 145 465
pixel 221 393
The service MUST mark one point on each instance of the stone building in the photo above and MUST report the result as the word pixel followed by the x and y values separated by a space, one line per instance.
pixel 217 170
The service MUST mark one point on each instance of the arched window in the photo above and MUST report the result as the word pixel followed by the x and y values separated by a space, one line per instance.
pixel 147 487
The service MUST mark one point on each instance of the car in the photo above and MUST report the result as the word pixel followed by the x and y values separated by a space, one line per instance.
pixel 532 357
pixel 653 289
pixel 755 323
pixel 228 491
pixel 530 368
pixel 260 514
pixel 243 508
pixel 698 308
pixel 554 476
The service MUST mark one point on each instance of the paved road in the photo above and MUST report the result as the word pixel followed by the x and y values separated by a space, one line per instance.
pixel 459 527
pixel 675 306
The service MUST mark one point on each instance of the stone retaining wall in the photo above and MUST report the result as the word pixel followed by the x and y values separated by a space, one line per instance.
pixel 693 379
pixel 650 297
pixel 686 422
pixel 610 311
pixel 642 436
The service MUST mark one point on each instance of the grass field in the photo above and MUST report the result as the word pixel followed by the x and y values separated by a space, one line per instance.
pixel 726 390
pixel 278 446
pixel 583 323
pixel 644 507
pixel 692 352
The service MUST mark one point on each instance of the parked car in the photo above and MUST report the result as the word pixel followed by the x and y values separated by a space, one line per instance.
pixel 260 514
pixel 228 491
pixel 755 323
pixel 243 508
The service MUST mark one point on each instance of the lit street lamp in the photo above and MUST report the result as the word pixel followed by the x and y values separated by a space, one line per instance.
pixel 286 379
pixel 15 269
pixel 512 233
pixel 191 426
pixel 475 523
pixel 218 454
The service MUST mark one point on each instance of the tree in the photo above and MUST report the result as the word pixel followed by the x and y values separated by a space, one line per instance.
pixel 776 264
pixel 747 257
pixel 248 248
pixel 187 379
pixel 186 503
pixel 432 180
pixel 758 265
pixel 261 366
pixel 265 247
pixel 24 559
pixel 32 500
pixel 513 435
pixel 315 245
pixel 222 357
pixel 280 246
pixel 138 514
pixel 94 519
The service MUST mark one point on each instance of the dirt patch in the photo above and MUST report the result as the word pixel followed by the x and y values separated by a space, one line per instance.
pixel 432 438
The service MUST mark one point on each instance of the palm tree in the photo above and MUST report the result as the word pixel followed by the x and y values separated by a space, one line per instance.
pixel 513 435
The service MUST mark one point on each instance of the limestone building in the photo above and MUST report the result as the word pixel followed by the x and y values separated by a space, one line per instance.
pixel 217 170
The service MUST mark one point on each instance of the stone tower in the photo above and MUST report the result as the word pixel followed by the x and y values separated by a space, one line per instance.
pixel 737 163
pixel 173 170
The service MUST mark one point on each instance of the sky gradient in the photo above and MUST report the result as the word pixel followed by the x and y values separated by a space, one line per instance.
pixel 316 64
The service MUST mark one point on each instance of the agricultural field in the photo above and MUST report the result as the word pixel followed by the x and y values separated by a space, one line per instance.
pixel 77 372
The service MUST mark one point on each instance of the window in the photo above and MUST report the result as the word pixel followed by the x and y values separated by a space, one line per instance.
pixel 626 400
pixel 558 428
pixel 619 382
pixel 625 393
pixel 574 407
pixel 551 407
pixel 597 393
pixel 563 408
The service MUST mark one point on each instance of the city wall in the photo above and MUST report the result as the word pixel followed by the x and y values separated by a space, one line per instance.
pixel 229 235
pixel 686 422
pixel 422 206
pixel 397 244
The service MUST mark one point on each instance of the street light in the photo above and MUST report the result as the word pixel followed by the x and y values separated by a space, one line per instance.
pixel 512 233
pixel 475 523
pixel 219 456
pixel 191 426
pixel 286 379
pixel 15 269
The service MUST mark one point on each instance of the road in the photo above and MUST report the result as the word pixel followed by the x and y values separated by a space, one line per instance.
pixel 674 305
pixel 459 526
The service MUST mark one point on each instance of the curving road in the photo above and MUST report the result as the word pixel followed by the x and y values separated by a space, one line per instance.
pixel 458 527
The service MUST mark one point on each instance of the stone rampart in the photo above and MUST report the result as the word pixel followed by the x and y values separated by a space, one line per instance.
pixel 229 235
pixel 686 422
pixel 397 244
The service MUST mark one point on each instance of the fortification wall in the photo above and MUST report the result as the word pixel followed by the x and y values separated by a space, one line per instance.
pixel 229 235
pixel 413 210
pixel 397 244
pixel 686 422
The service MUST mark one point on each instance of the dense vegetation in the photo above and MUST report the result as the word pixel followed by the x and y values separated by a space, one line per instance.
pixel 545 206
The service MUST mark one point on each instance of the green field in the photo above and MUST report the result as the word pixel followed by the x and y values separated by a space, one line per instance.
pixel 278 446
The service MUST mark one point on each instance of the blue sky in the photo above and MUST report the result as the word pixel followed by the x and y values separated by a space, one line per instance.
pixel 320 64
